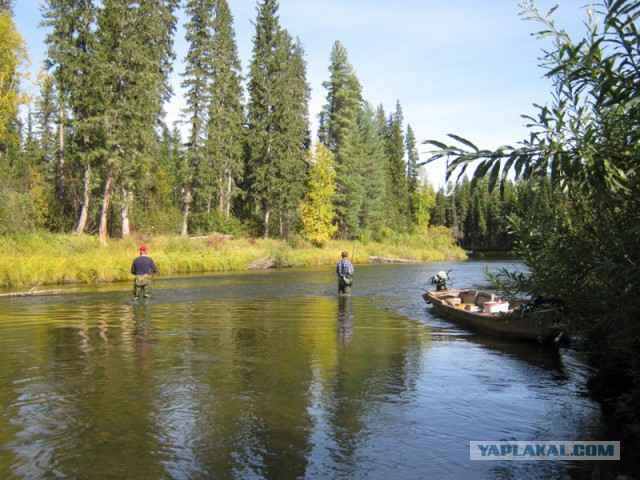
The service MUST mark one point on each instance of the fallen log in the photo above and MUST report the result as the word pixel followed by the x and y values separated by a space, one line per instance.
pixel 390 260
pixel 213 235
pixel 33 292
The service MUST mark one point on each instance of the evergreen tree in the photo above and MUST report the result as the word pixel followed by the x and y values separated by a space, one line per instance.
pixel 292 139
pixel 172 163
pixel 199 67
pixel 6 6
pixel 261 160
pixel 499 208
pixel 398 200
pixel 44 150
pixel 159 197
pixel 338 130
pixel 438 214
pixel 452 219
pixel 70 60
pixel 382 127
pixel 44 122
pixel 134 59
pixel 474 220
pixel 226 115
pixel 214 109
pixel 372 162
pixel 413 173
pixel 461 206
pixel 277 138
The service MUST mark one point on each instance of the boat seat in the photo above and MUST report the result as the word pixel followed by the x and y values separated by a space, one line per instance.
pixel 483 298
pixel 469 296
pixel 454 301
pixel 476 298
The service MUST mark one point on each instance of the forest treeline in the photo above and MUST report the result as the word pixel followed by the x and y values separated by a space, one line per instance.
pixel 94 154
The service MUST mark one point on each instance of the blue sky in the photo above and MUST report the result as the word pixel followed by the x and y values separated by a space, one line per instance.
pixel 467 67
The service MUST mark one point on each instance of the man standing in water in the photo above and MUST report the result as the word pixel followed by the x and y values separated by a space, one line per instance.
pixel 143 267
pixel 345 274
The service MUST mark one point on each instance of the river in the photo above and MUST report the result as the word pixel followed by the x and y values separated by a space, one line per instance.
pixel 271 375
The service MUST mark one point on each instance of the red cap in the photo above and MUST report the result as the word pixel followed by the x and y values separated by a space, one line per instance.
pixel 143 249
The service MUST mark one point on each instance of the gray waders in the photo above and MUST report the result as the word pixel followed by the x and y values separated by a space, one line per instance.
pixel 142 286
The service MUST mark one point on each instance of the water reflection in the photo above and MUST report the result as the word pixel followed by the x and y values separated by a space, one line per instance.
pixel 345 319
pixel 271 375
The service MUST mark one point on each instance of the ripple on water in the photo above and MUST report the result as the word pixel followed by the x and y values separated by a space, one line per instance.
pixel 271 375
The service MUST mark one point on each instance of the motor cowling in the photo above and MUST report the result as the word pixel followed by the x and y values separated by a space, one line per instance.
pixel 440 280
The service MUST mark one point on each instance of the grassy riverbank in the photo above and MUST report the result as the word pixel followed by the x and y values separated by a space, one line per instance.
pixel 30 259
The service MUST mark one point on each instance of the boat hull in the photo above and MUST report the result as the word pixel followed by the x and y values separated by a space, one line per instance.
pixel 537 325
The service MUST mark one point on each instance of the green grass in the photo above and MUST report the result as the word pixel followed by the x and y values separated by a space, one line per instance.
pixel 28 259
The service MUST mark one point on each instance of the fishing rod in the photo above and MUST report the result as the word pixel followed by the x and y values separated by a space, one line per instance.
pixel 353 252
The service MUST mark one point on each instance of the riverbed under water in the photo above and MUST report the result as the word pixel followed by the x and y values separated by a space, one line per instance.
pixel 271 374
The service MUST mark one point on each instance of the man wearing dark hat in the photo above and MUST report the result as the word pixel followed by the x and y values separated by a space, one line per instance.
pixel 345 274
pixel 143 267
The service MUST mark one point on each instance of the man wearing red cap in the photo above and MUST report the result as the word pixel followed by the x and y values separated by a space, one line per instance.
pixel 143 267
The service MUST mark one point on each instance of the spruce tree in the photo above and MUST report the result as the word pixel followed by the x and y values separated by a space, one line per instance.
pixel 225 128
pixel 197 79
pixel 438 214
pixel 70 61
pixel 44 116
pixel 134 57
pixel 292 140
pixel 261 155
pixel 372 160
pixel 381 123
pixel 398 199
pixel 277 137
pixel 338 130
pixel 6 6
pixel 413 173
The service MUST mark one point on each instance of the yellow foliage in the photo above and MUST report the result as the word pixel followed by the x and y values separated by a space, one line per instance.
pixel 425 200
pixel 317 210
pixel 12 56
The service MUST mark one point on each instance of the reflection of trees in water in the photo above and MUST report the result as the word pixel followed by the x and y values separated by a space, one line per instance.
pixel 269 387
pixel 345 319
pixel 140 333
pixel 81 404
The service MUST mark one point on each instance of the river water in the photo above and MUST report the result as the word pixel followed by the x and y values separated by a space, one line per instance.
pixel 270 374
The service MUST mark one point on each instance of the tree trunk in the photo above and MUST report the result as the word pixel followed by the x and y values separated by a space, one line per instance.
pixel 267 212
pixel 86 192
pixel 127 201
pixel 106 199
pixel 221 193
pixel 228 199
pixel 60 178
pixel 187 208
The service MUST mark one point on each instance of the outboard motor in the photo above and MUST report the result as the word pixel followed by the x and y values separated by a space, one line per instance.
pixel 440 280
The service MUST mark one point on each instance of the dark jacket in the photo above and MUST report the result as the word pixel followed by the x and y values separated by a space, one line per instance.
pixel 143 265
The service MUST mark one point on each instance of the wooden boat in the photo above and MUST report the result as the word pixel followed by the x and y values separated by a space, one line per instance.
pixel 484 312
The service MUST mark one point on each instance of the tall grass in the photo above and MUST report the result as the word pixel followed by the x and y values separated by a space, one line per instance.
pixel 28 259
